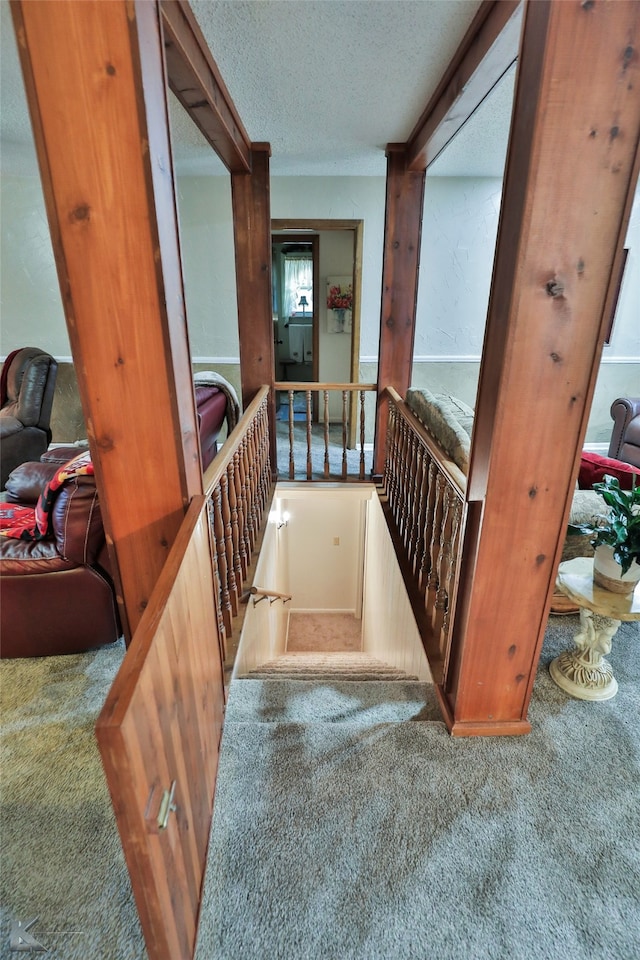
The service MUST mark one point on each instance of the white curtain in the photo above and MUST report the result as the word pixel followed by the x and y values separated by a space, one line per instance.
pixel 298 280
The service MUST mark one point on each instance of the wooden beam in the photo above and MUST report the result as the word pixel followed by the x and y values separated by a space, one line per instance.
pixel 488 49
pixel 111 208
pixel 401 257
pixel 250 195
pixel 197 83
pixel 570 173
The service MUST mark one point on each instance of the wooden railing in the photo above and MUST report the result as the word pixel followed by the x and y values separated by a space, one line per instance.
pixel 425 495
pixel 349 403
pixel 237 485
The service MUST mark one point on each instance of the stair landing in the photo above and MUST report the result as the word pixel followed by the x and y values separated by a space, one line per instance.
pixel 326 632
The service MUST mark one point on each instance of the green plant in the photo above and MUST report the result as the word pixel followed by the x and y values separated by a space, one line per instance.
pixel 620 527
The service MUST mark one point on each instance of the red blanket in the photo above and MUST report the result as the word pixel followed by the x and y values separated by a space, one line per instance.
pixel 34 523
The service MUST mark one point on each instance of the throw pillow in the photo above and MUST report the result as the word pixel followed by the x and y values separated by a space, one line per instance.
pixel 593 468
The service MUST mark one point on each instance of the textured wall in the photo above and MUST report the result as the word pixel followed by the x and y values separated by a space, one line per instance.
pixel 459 231
pixel 460 223
pixel 30 302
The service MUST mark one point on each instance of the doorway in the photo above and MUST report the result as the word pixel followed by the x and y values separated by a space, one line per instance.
pixel 338 254
pixel 294 264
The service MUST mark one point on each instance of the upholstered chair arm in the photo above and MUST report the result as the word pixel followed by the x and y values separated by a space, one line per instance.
pixel 26 482
pixel 624 412
pixel 32 390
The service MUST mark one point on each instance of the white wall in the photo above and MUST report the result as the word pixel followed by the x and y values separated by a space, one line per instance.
pixel 30 302
pixel 264 630
pixel 459 229
pixel 389 630
pixel 343 198
pixel 359 575
pixel 459 233
pixel 206 238
pixel 458 239
pixel 336 260
pixel 323 574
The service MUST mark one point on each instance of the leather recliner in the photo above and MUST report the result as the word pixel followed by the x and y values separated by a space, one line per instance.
pixel 26 393
pixel 625 437
pixel 56 594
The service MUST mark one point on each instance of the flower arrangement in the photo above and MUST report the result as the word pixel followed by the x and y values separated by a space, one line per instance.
pixel 339 299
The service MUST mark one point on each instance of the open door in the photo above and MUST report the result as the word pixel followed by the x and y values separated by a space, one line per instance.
pixel 159 736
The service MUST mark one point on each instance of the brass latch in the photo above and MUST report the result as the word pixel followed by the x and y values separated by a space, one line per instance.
pixel 166 806
pixel 157 823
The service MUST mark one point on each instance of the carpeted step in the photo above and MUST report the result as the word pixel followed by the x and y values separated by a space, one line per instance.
pixel 331 666
pixel 331 701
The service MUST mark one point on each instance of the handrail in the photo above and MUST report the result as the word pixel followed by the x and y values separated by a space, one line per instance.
pixel 221 461
pixel 451 469
pixel 425 505
pixel 272 594
pixel 350 418
pixel 316 386
pixel 238 487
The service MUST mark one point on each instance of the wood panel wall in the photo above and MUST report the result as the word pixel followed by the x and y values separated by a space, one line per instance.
pixel 161 724
pixel 389 629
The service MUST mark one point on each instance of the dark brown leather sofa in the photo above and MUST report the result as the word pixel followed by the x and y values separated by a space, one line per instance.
pixel 27 385
pixel 56 595
pixel 625 437
pixel 211 408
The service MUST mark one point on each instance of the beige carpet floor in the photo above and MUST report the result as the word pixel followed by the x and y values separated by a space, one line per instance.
pixel 324 633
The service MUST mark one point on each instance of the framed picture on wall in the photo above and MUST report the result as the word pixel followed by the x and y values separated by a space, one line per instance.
pixel 339 304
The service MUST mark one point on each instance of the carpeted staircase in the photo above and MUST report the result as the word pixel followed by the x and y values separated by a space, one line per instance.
pixel 327 666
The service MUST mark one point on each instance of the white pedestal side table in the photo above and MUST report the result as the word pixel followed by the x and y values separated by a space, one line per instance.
pixel 583 672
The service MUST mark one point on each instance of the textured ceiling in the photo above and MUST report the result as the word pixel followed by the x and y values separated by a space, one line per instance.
pixel 327 82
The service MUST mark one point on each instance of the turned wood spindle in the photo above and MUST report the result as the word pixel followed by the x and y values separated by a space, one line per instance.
pixel 344 434
pixel 218 539
pixel 292 465
pixel 235 536
pixel 308 416
pixel 222 634
pixel 362 435
pixel 228 543
pixel 428 526
pixel 326 433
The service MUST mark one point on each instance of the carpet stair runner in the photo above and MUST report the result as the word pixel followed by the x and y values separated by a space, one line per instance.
pixel 331 666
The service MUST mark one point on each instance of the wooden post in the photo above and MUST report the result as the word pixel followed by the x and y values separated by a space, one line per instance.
pixel 488 49
pixel 252 236
pixel 570 172
pixel 97 95
pixel 401 256
pixel 194 77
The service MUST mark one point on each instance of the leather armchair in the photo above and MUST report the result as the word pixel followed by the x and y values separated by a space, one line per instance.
pixel 57 593
pixel 27 385
pixel 625 437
